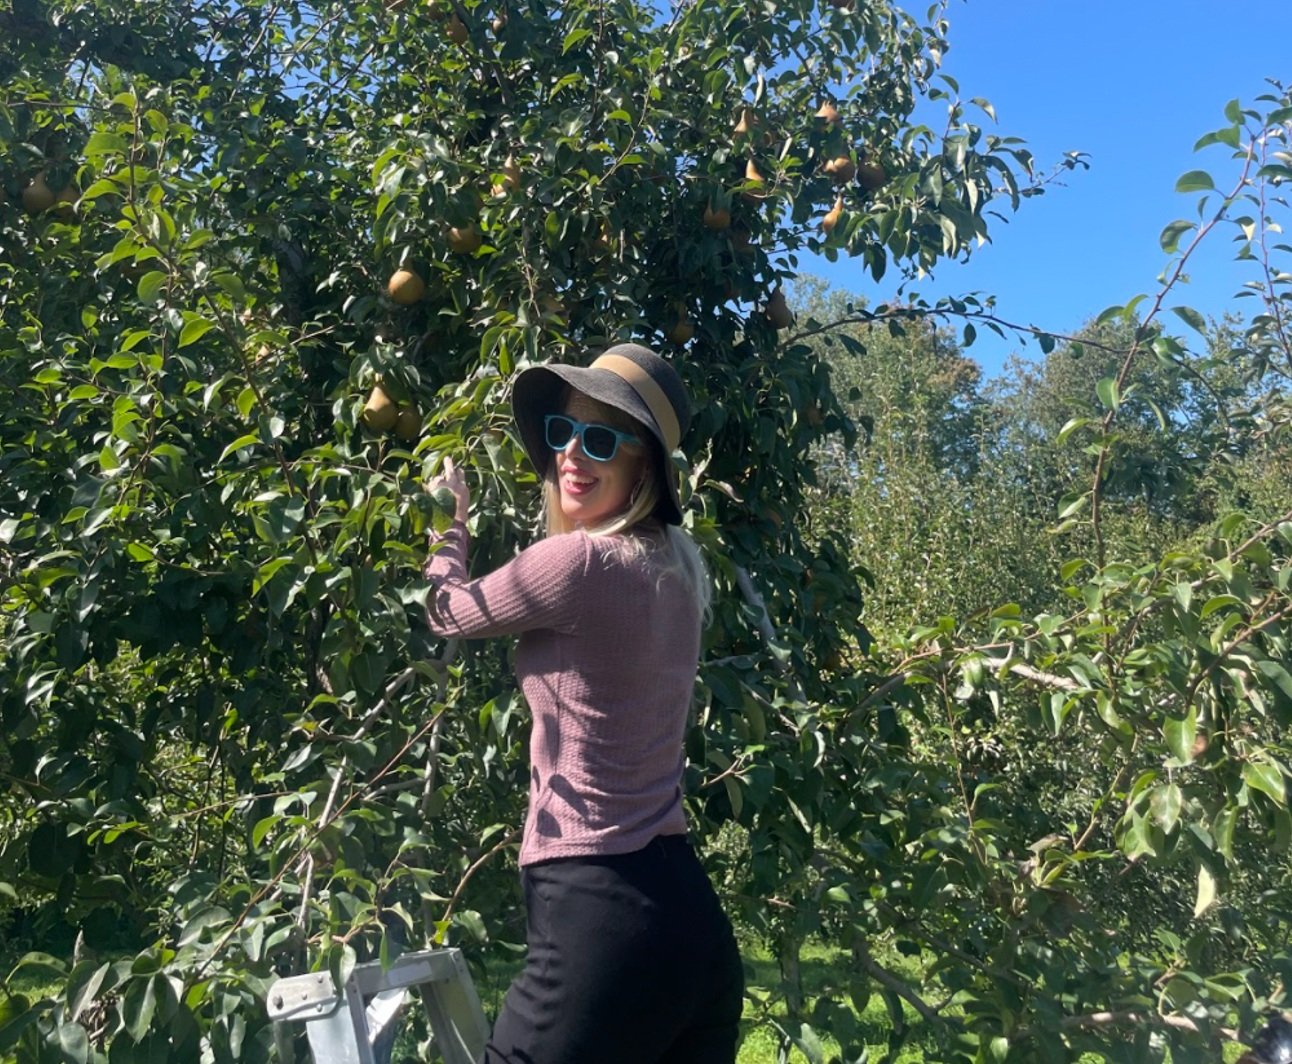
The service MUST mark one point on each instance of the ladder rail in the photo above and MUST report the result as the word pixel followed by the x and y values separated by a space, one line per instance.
pixel 344 1026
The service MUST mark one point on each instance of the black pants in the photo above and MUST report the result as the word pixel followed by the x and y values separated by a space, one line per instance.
pixel 631 961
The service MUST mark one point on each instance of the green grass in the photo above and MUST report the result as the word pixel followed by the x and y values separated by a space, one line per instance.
pixel 821 971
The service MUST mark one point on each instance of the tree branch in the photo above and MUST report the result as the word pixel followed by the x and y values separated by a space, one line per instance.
pixel 888 980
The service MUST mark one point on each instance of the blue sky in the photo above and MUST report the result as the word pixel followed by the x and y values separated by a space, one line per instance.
pixel 1132 83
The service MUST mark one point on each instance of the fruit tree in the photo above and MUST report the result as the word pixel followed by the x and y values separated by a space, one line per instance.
pixel 265 266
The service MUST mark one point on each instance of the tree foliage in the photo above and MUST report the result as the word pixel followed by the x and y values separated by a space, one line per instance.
pixel 231 750
pixel 1096 859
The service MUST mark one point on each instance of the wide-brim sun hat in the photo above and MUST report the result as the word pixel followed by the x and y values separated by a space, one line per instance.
pixel 628 377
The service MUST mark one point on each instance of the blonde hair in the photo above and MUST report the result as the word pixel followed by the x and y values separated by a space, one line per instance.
pixel 679 553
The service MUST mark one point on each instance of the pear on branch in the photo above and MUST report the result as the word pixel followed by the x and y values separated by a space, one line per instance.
pixel 754 177
pixel 465 239
pixel 408 424
pixel 778 310
pixel 832 218
pixel 38 197
pixel 717 213
pixel 871 175
pixel 405 287
pixel 380 411
pixel 841 168
pixel 828 115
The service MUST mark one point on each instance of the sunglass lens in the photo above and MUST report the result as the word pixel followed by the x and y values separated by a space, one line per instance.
pixel 599 442
pixel 559 431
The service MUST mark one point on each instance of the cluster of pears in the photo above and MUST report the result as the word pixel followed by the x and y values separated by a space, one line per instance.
pixel 382 414
pixel 839 164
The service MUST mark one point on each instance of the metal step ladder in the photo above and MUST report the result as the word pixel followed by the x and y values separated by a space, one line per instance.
pixel 357 1025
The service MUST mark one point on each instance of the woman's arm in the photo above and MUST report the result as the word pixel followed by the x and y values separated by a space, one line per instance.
pixel 539 588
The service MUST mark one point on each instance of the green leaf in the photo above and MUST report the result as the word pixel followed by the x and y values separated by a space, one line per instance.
pixel 1073 503
pixel 1170 238
pixel 74 1043
pixel 1277 675
pixel 1166 803
pixel 1266 778
pixel 1206 893
pixel 809 1044
pixel 574 37
pixel 83 984
pixel 263 828
pixel 1181 735
pixel 734 795
pixel 102 143
pixel 150 285
pixel 16 1014
pixel 137 1007
pixel 40 965
pixel 1222 830
pixel 1108 393
pixel 1191 318
pixel 1070 427
pixel 245 440
pixel 194 329
pixel 1195 181
pixel 1218 602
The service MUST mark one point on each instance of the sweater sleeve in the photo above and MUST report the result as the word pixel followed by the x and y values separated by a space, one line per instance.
pixel 539 588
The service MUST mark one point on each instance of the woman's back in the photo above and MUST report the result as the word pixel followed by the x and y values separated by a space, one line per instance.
pixel 610 690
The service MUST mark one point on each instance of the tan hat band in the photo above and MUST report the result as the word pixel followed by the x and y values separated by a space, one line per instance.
pixel 649 392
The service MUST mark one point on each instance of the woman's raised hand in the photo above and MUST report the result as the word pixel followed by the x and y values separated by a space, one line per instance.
pixel 451 477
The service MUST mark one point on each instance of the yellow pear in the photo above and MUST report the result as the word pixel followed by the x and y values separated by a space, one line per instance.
pixel 464 239
pixel 841 168
pixel 832 219
pixel 38 197
pixel 408 424
pixel 718 219
pixel 748 122
pixel 456 30
pixel 510 174
pixel 778 310
pixel 754 176
pixel 871 175
pixel 65 205
pixel 379 412
pixel 681 330
pixel 828 114
pixel 406 287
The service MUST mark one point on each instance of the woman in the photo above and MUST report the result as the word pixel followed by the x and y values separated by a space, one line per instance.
pixel 630 957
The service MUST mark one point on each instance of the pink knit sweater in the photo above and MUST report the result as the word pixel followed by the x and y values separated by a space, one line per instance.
pixel 607 661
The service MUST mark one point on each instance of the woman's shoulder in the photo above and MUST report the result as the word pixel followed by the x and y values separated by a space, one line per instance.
pixel 639 549
pixel 576 544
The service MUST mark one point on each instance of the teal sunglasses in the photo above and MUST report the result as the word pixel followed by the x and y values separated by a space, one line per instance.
pixel 599 442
